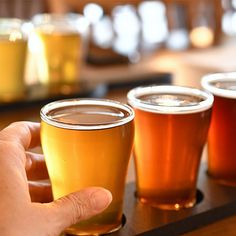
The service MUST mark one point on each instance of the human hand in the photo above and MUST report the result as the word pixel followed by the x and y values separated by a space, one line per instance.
pixel 19 215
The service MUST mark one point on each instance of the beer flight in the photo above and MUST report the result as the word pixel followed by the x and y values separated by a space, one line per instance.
pixel 88 142
pixel 56 45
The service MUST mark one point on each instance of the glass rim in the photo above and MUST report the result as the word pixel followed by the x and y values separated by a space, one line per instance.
pixel 171 89
pixel 14 25
pixel 85 101
pixel 75 22
pixel 56 16
pixel 219 77
pixel 41 19
pixel 13 19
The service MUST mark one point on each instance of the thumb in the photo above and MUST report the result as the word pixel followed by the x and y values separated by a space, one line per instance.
pixel 77 206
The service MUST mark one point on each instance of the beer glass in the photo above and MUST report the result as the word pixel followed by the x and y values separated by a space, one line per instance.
pixel 88 142
pixel 61 43
pixel 13 50
pixel 171 125
pixel 222 133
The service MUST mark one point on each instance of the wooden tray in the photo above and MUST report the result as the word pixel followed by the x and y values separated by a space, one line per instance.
pixel 215 202
pixel 38 94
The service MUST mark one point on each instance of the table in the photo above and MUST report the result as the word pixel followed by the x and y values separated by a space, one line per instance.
pixel 183 74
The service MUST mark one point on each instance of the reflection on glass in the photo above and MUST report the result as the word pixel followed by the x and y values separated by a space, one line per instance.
pixel 93 12
pixel 102 32
pixel 154 23
pixel 202 33
pixel 234 4
pixel 178 38
pixel 126 22
pixel 229 17
pixel 101 25
pixel 127 47
pixel 229 23
pixel 127 29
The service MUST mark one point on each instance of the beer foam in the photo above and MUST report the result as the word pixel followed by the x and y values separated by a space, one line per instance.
pixel 11 36
pixel 170 99
pixel 220 84
pixel 56 29
pixel 70 23
pixel 81 114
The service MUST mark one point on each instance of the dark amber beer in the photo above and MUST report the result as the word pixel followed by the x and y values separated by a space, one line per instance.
pixel 171 126
pixel 88 143
pixel 222 133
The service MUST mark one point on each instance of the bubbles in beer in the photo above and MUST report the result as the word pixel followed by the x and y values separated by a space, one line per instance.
pixel 221 84
pixel 171 100
pixel 88 115
pixel 228 85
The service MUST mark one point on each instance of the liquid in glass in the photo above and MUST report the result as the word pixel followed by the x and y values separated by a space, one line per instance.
pixel 169 139
pixel 93 149
pixel 222 133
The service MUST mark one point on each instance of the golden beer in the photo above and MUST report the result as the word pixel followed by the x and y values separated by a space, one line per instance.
pixel 61 56
pixel 88 143
pixel 171 125
pixel 13 50
pixel 222 133
pixel 61 40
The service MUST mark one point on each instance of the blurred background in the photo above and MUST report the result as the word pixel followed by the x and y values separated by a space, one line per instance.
pixel 146 25
pixel 132 40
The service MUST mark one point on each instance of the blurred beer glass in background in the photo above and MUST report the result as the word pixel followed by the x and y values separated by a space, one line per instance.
pixel 222 133
pixel 61 43
pixel 88 143
pixel 171 125
pixel 13 51
pixel 202 34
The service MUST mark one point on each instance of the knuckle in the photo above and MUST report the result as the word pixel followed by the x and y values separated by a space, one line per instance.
pixel 80 207
pixel 18 127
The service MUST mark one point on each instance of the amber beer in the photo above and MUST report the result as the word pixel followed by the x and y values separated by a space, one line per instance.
pixel 222 133
pixel 88 143
pixel 171 125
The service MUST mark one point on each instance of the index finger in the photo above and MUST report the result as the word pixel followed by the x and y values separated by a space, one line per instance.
pixel 25 133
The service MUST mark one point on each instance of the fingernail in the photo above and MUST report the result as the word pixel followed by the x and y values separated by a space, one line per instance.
pixel 101 199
